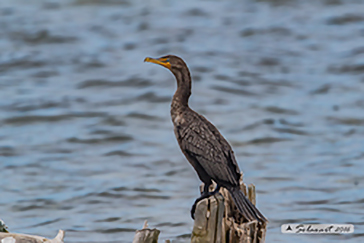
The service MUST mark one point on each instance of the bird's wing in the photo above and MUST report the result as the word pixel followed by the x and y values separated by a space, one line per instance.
pixel 203 142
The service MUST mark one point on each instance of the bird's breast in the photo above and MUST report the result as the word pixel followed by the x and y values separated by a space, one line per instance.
pixel 178 114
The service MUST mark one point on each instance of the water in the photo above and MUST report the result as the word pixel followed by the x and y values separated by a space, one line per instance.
pixel 86 140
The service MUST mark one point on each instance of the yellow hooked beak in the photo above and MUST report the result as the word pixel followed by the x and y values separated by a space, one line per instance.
pixel 161 61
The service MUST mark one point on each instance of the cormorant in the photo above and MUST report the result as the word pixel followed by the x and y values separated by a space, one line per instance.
pixel 202 144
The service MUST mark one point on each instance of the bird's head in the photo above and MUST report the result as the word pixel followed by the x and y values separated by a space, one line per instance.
pixel 173 63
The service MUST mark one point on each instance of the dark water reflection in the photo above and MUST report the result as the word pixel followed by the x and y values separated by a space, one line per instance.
pixel 86 141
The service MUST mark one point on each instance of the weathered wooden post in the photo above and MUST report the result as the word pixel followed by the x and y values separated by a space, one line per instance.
pixel 22 238
pixel 146 235
pixel 6 237
pixel 209 216
pixel 219 221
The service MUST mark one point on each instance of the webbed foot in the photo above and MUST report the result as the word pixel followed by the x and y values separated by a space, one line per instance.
pixel 203 196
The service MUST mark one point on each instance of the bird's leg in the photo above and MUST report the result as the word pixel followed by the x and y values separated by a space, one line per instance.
pixel 206 188
pixel 217 189
pixel 204 194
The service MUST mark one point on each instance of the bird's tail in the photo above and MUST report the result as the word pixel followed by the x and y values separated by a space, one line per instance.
pixel 245 206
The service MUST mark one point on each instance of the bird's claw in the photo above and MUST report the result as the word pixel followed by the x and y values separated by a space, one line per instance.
pixel 193 209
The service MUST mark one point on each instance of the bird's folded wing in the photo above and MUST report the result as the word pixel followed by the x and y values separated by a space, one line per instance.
pixel 211 151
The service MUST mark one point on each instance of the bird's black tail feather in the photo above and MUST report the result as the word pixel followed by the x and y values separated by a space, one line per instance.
pixel 245 206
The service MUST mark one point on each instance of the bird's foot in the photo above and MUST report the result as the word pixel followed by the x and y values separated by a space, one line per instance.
pixel 203 196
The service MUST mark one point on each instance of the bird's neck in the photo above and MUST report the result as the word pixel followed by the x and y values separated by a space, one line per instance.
pixel 183 91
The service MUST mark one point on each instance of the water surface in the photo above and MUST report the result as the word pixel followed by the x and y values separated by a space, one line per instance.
pixel 86 141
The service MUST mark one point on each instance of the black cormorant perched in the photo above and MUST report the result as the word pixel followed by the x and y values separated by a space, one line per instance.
pixel 202 144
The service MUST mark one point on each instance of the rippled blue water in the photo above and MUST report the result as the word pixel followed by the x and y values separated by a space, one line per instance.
pixel 86 142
